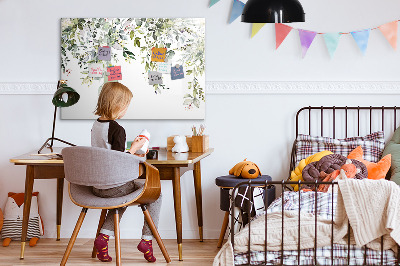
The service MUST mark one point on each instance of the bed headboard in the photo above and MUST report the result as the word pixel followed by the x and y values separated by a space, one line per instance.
pixel 344 121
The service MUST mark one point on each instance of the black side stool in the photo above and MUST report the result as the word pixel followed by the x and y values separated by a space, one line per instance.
pixel 226 183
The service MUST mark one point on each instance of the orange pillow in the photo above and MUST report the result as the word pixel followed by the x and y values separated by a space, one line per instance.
pixel 375 170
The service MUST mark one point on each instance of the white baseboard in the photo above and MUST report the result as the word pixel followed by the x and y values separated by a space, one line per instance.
pixel 249 87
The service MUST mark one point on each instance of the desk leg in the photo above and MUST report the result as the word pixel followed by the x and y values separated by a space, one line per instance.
pixel 199 204
pixel 60 190
pixel 176 182
pixel 27 206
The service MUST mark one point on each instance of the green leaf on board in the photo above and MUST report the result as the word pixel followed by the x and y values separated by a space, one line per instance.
pixel 196 102
pixel 187 101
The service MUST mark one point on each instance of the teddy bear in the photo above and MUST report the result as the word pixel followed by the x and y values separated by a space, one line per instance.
pixel 13 215
pixel 180 144
pixel 245 169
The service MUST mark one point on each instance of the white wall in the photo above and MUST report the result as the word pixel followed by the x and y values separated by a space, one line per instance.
pixel 259 127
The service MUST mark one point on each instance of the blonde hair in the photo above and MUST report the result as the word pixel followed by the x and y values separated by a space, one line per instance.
pixel 113 99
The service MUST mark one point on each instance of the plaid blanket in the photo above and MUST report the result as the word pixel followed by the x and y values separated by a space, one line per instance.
pixel 323 205
pixel 340 253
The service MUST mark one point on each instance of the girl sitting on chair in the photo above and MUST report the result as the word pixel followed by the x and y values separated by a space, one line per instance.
pixel 112 104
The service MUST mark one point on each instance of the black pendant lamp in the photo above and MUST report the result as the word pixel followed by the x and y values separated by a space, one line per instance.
pixel 273 11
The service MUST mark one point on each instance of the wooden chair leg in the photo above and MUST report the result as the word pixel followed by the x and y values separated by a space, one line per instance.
pixel 154 230
pixel 73 237
pixel 223 229
pixel 117 239
pixel 101 222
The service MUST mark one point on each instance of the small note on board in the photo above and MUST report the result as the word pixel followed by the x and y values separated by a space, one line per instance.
pixel 158 54
pixel 177 72
pixel 96 70
pixel 104 53
pixel 163 67
pixel 155 78
pixel 115 73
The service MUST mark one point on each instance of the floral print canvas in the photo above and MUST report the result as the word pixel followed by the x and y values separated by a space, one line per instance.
pixel 140 53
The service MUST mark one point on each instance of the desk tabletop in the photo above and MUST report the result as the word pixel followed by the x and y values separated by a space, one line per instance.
pixel 164 157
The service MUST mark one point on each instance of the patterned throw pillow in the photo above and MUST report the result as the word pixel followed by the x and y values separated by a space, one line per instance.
pixel 372 145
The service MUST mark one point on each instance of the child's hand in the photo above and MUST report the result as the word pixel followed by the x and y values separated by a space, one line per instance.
pixel 143 155
pixel 137 144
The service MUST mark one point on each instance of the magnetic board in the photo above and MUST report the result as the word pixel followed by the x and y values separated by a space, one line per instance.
pixel 161 60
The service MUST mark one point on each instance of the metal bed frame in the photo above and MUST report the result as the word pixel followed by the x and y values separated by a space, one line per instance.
pixel 283 184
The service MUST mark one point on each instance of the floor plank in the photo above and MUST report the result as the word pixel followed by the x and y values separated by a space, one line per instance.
pixel 49 252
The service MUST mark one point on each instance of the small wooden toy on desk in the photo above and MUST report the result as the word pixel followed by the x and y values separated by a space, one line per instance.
pixel 199 140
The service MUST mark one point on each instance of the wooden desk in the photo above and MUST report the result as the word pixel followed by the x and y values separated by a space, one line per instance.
pixel 171 167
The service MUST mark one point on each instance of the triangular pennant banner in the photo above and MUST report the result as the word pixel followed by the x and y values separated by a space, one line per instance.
pixel 389 30
pixel 256 28
pixel 213 2
pixel 237 9
pixel 281 31
pixel 332 41
pixel 306 39
pixel 361 37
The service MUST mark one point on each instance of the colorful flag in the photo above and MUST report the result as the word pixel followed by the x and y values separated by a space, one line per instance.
pixel 213 2
pixel 237 9
pixel 332 41
pixel 281 31
pixel 389 30
pixel 255 28
pixel 306 39
pixel 361 37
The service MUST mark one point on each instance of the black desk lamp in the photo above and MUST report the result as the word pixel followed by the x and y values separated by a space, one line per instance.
pixel 64 97
pixel 273 11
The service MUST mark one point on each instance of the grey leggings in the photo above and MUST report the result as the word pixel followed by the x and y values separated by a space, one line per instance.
pixel 154 208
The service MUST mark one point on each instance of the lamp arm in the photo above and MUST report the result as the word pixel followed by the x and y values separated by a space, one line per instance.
pixel 54 126
pixel 46 143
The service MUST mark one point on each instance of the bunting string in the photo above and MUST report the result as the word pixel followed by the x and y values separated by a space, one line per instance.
pixel 343 33
pixel 361 37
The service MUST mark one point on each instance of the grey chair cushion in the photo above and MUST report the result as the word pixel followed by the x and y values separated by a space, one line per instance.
pixel 83 196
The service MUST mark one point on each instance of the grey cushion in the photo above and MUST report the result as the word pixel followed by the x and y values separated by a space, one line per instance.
pixel 83 196
pixel 393 148
pixel 99 167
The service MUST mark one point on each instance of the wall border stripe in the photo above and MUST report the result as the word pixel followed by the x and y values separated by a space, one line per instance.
pixel 250 87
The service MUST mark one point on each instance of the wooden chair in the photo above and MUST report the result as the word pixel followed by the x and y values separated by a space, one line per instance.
pixel 85 167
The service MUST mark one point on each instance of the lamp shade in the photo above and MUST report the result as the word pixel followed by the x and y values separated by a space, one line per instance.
pixel 273 11
pixel 65 96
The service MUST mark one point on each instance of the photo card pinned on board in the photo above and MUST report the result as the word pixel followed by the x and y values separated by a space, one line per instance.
pixel 177 72
pixel 155 78
pixel 136 47
pixel 158 54
pixel 115 73
pixel 96 70
pixel 104 53
pixel 164 67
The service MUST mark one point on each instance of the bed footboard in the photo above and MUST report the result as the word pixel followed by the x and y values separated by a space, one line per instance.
pixel 312 259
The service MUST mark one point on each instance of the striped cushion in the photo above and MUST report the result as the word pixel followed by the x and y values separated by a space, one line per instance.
pixel 372 145
pixel 13 228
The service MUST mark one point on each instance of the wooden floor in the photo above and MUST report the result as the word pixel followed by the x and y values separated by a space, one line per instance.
pixel 50 252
